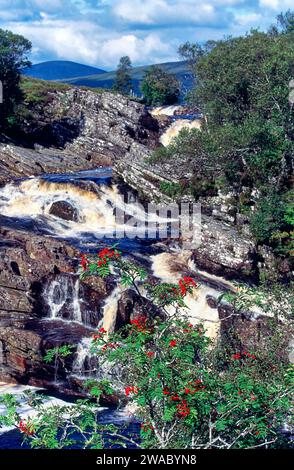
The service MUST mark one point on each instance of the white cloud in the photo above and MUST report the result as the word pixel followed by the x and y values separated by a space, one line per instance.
pixel 249 19
pixel 150 48
pixel 98 32
pixel 166 12
pixel 30 9
pixel 279 5
pixel 88 43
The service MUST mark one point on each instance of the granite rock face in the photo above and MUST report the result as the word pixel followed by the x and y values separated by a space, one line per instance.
pixel 78 130
pixel 224 251
pixel 31 267
pixel 226 248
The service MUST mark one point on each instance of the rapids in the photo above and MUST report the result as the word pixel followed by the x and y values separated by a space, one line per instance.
pixel 102 210
pixel 175 128
pixel 25 204
pixel 97 201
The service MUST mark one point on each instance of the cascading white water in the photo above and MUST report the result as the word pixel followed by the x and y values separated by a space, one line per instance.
pixel 61 292
pixel 76 302
pixel 174 129
pixel 170 267
pixel 110 310
pixel 165 110
pixel 86 364
pixel 97 208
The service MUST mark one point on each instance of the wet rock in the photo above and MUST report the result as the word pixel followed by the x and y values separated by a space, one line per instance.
pixel 212 302
pixel 249 331
pixel 28 263
pixel 20 353
pixel 273 267
pixel 77 130
pixel 128 306
pixel 224 251
pixel 64 210
pixel 131 306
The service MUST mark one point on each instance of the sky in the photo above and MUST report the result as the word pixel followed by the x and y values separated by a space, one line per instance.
pixel 99 32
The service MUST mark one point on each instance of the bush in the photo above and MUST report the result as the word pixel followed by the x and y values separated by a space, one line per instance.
pixel 159 87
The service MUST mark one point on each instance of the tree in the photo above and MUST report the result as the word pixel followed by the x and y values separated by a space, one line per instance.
pixel 159 87
pixel 248 137
pixel 13 57
pixel 193 52
pixel 286 21
pixel 123 79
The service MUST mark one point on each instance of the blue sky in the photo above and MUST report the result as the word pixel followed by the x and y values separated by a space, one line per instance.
pixel 99 32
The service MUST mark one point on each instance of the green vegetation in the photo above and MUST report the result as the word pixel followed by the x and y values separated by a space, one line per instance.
pixel 247 139
pixel 39 92
pixel 187 390
pixel 123 81
pixel 36 91
pixel 181 69
pixel 13 52
pixel 173 190
pixel 160 87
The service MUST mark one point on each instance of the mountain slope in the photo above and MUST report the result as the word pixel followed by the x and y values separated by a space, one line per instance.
pixel 105 80
pixel 61 70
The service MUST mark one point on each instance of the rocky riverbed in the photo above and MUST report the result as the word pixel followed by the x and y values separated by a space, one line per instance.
pixel 47 221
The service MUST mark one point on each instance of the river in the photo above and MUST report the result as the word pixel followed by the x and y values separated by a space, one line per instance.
pixel 25 204
pixel 94 200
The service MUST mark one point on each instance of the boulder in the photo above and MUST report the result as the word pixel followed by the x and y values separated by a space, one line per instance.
pixel 224 251
pixel 64 210
pixel 130 307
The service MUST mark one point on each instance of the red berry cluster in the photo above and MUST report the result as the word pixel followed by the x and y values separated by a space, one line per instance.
pixel 106 255
pixel 150 354
pixel 109 346
pixel 185 284
pixel 84 263
pixel 139 323
pixel 26 428
pixel 242 355
pixel 131 389
pixel 145 427
pixel 183 409
pixel 100 334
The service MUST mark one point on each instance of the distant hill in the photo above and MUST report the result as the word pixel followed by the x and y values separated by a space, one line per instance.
pixel 60 70
pixel 105 80
pixel 84 75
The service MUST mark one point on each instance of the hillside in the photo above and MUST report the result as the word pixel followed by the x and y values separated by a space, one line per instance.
pixel 105 80
pixel 83 75
pixel 60 69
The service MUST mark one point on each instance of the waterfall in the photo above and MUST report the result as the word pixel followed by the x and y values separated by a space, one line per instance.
pixel 55 296
pixel 63 300
pixel 76 302
pixel 86 364
pixel 110 310
pixel 170 267
pixel 174 129
pixel 165 110
pixel 97 208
